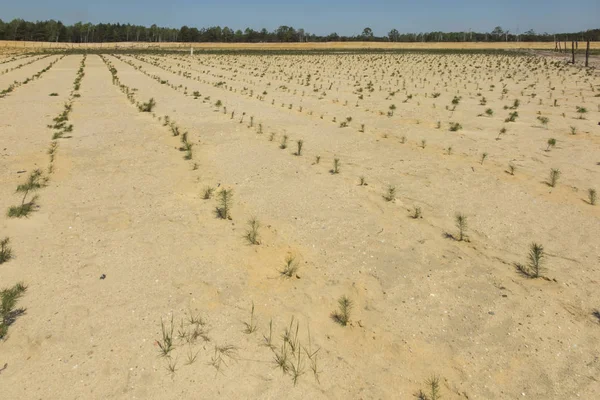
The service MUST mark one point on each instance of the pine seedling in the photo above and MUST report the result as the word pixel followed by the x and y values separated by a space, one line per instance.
pixel 390 194
pixel 8 301
pixel 5 250
pixel 33 184
pixel 544 121
pixel 483 157
pixel 336 166
pixel 362 181
pixel 591 197
pixel 147 107
pixel 290 267
pixel 535 257
pixel 317 159
pixel 433 386
pixel 511 168
pixel 417 213
pixel 342 315
pixel 461 223
pixel 207 192
pixel 455 126
pixel 224 198
pixel 299 151
pixel 554 175
pixel 551 143
pixel 252 231
pixel 283 144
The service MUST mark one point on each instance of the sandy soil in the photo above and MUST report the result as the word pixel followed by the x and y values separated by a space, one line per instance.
pixel 122 201
pixel 15 46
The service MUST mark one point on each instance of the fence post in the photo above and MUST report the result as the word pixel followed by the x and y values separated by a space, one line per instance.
pixel 587 53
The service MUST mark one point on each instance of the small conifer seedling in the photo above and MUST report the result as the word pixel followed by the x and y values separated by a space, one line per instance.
pixel 33 183
pixel 224 198
pixel 342 314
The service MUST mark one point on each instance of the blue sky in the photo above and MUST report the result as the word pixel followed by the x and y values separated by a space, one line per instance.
pixel 323 16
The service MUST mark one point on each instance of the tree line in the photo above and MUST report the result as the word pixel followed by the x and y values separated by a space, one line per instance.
pixel 56 31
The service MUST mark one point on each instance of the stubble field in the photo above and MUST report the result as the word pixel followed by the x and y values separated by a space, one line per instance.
pixel 141 283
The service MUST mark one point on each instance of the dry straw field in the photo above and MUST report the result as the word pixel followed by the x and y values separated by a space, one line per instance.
pixel 347 225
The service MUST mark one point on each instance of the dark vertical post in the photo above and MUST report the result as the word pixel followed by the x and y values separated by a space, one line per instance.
pixel 572 52
pixel 587 53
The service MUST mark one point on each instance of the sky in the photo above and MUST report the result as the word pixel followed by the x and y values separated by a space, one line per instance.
pixel 323 17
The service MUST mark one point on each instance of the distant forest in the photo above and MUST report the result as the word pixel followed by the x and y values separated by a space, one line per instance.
pixel 56 31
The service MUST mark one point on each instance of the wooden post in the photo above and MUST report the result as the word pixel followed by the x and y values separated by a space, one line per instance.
pixel 555 45
pixel 572 52
pixel 587 53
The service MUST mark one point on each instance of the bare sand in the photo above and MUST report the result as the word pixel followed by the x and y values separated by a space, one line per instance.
pixel 122 202
pixel 17 46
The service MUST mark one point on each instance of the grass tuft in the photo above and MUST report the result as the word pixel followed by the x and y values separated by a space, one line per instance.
pixel 166 344
pixel 290 267
pixel 250 326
